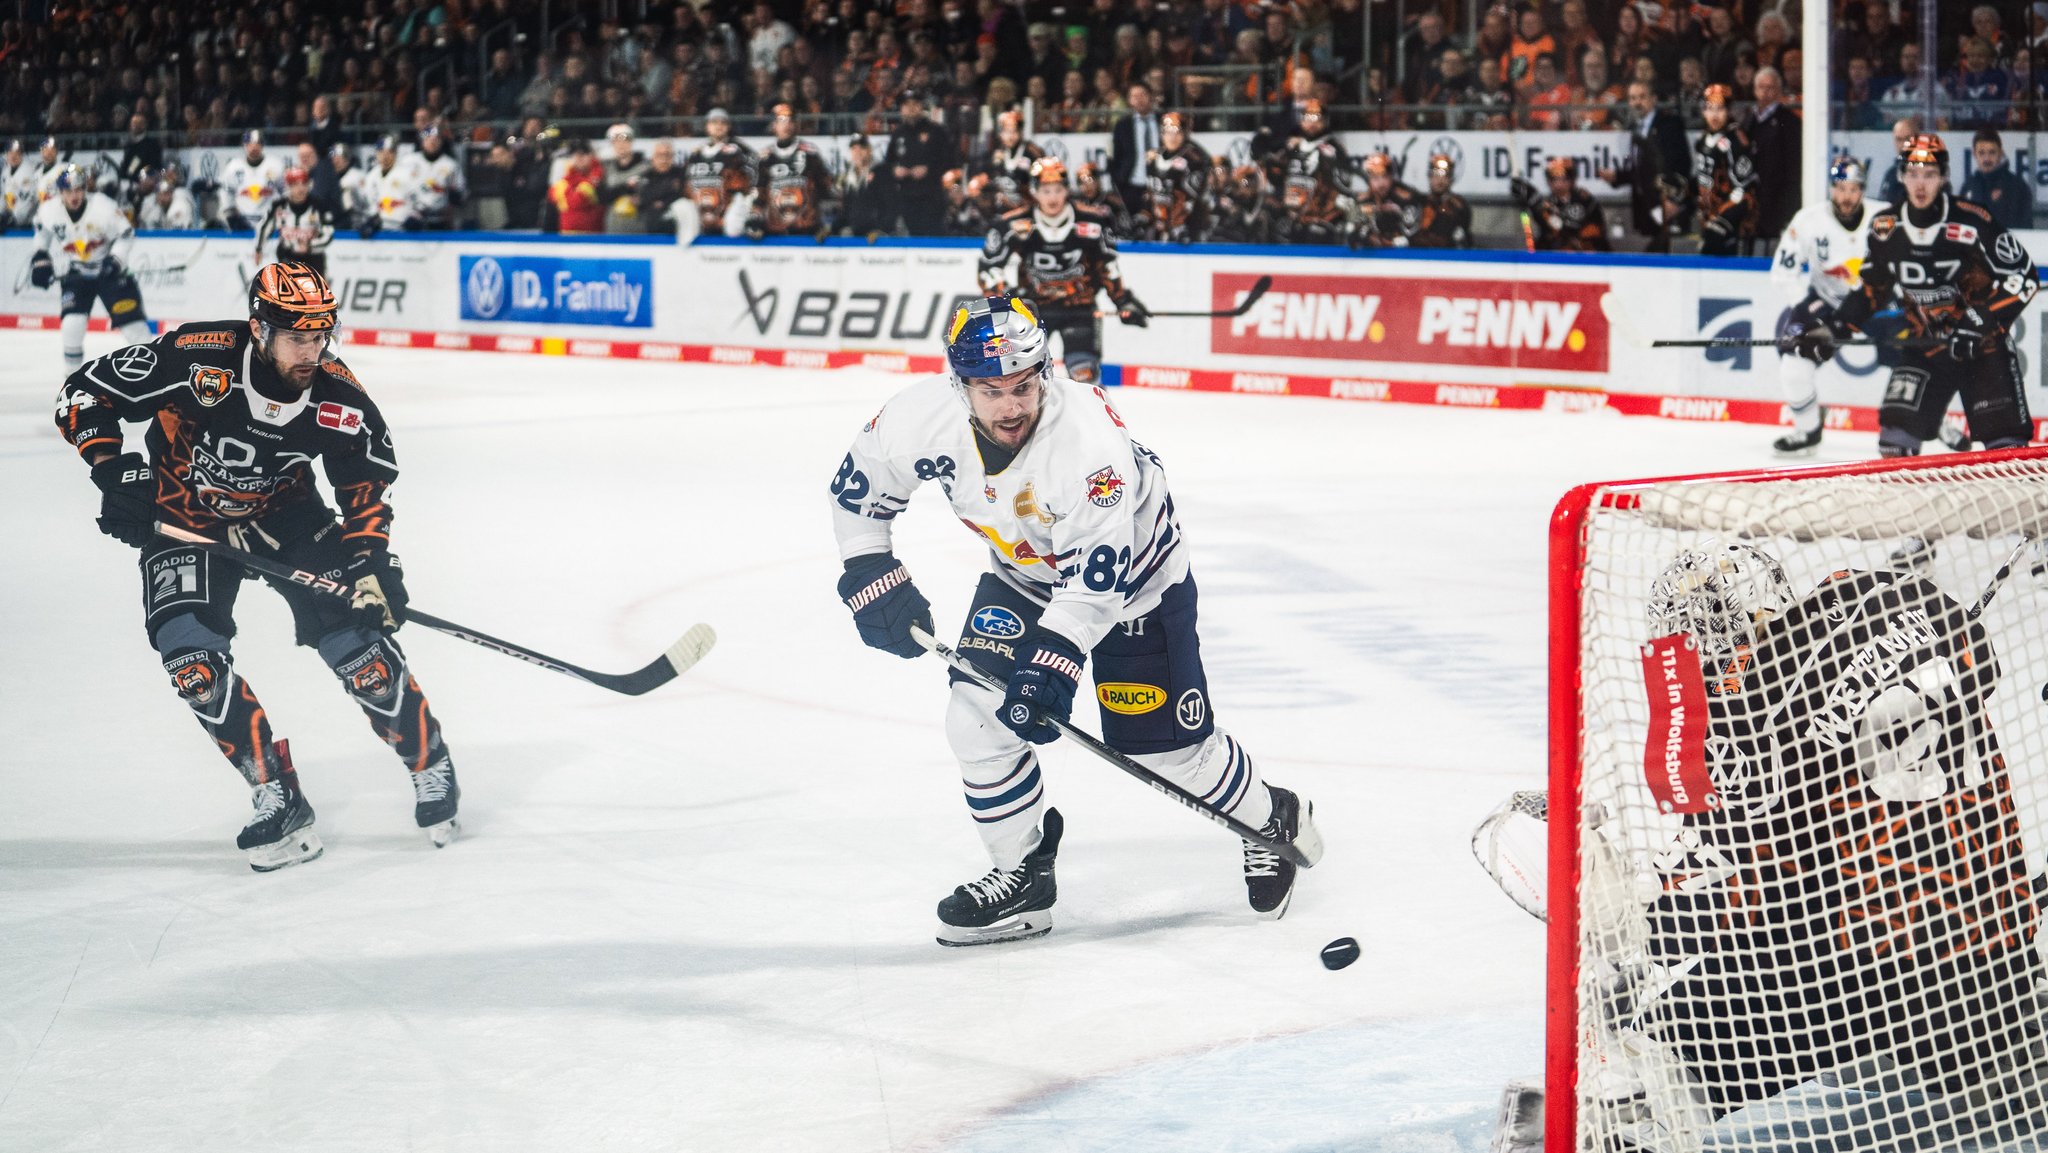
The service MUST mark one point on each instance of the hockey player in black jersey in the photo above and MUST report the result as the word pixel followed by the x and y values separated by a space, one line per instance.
pixel 1066 257
pixel 1960 281
pixel 1856 888
pixel 791 184
pixel 1389 212
pixel 303 228
pixel 1446 220
pixel 237 413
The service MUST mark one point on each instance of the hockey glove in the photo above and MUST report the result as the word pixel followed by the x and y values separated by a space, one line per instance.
pixel 42 271
pixel 1815 342
pixel 379 585
pixel 755 230
pixel 1523 192
pixel 127 498
pixel 1717 230
pixel 1041 688
pixel 371 225
pixel 1967 341
pixel 885 603
pixel 1133 313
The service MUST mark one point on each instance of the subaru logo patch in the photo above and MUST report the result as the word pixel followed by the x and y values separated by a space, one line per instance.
pixel 996 621
pixel 486 288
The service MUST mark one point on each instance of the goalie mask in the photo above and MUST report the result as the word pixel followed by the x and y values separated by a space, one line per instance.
pixel 1719 596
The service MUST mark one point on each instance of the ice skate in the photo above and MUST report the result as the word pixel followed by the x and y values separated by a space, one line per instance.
pixel 435 794
pixel 1914 554
pixel 281 832
pixel 1269 877
pixel 1799 443
pixel 1007 904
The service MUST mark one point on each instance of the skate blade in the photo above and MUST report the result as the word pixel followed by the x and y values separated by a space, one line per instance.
pixel 1795 453
pixel 1280 910
pixel 1307 837
pixel 301 846
pixel 1021 927
pixel 444 833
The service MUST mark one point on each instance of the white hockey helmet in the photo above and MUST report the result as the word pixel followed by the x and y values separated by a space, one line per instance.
pixel 1719 595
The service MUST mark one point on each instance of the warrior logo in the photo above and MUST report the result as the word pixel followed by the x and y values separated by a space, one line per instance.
pixel 1105 488
pixel 211 385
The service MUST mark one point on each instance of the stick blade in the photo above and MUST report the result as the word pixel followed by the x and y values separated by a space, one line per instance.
pixel 1618 322
pixel 690 648
pixel 687 651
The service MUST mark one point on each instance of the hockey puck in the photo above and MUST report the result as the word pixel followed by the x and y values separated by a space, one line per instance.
pixel 1339 953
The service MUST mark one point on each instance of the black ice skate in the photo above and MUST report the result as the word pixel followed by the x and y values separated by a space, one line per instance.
pixel 1008 904
pixel 1269 877
pixel 434 794
pixel 281 833
pixel 1799 443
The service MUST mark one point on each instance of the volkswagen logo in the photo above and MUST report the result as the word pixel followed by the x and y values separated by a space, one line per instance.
pixel 485 288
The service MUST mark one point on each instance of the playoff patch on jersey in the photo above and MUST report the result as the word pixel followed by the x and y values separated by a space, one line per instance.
pixel 1105 488
pixel 211 385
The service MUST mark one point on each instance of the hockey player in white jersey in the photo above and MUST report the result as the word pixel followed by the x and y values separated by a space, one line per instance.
pixel 391 186
pixel 80 239
pixel 441 188
pixel 1819 262
pixel 167 205
pixel 17 186
pixel 1087 563
pixel 46 172
pixel 251 181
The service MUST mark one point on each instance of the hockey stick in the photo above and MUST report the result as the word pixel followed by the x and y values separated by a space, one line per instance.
pixel 1259 288
pixel 975 673
pixel 687 651
pixel 1619 322
pixel 1998 579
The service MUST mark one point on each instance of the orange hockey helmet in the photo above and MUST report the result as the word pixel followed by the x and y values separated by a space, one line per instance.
pixel 292 295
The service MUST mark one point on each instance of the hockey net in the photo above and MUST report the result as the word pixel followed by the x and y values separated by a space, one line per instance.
pixel 1798 810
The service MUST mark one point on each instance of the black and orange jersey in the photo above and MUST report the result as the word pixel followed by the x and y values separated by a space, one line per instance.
pixel 301 229
pixel 1062 263
pixel 1311 182
pixel 1574 223
pixel 230 440
pixel 1177 195
pixel 1725 179
pixel 791 189
pixel 1390 221
pixel 1959 269
pixel 715 175
pixel 1446 222
pixel 1009 173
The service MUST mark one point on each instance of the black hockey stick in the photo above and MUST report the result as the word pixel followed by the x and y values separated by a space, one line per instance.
pixel 1259 288
pixel 687 651
pixel 1623 327
pixel 1998 579
pixel 975 673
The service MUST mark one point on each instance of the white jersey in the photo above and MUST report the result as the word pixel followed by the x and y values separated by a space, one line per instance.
pixel 393 195
pixel 46 183
pixel 440 186
pixel 357 199
pixel 18 193
pixel 1816 254
pixel 181 212
pixel 83 246
pixel 251 188
pixel 1081 519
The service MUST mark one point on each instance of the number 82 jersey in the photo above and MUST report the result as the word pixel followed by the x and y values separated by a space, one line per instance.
pixel 1080 518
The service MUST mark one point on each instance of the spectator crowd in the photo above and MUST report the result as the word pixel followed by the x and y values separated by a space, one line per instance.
pixel 963 98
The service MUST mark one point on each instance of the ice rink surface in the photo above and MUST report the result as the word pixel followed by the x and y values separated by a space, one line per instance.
pixel 702 919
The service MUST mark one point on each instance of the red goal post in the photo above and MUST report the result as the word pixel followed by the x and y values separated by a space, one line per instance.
pixel 1751 920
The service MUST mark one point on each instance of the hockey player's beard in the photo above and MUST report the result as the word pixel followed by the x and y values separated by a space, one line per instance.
pixel 1011 433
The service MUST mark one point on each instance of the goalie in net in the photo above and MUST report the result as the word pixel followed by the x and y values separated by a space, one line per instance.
pixel 1846 896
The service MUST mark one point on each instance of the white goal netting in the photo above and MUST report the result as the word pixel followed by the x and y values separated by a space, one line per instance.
pixel 1811 787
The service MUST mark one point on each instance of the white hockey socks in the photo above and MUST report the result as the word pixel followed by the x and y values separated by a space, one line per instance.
pixel 1795 376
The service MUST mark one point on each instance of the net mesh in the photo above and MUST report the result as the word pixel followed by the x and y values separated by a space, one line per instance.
pixel 1814 804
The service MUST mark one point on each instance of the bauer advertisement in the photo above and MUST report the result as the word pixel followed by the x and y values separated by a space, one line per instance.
pixel 1494 332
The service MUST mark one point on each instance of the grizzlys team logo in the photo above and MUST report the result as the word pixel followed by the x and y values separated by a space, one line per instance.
pixel 195 679
pixel 372 679
pixel 207 340
pixel 1105 488
pixel 211 385
pixel 996 621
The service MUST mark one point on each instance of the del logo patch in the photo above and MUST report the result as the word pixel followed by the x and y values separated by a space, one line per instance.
pixel 340 417
pixel 1105 488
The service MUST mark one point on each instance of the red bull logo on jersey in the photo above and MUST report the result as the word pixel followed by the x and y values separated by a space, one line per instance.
pixel 1105 488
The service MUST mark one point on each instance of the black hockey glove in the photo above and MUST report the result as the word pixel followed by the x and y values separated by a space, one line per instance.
pixel 755 230
pixel 127 499
pixel 1525 193
pixel 1041 688
pixel 885 603
pixel 379 584
pixel 1717 230
pixel 1133 313
pixel 42 271
pixel 1967 341
pixel 1816 342
pixel 371 224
